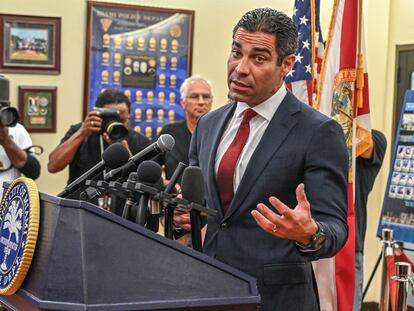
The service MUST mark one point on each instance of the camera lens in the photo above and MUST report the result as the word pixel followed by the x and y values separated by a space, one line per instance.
pixel 9 116
pixel 116 130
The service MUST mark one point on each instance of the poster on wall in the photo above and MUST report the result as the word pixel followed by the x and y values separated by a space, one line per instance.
pixel 398 206
pixel 143 51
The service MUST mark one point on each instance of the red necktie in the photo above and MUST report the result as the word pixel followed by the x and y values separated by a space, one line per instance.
pixel 225 173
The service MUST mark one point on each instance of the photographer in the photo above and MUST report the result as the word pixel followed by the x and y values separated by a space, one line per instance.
pixel 83 144
pixel 15 143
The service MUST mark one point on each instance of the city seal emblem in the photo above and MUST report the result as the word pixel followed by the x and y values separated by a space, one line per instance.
pixel 19 225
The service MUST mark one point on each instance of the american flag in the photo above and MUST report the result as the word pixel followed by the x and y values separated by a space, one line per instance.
pixel 301 80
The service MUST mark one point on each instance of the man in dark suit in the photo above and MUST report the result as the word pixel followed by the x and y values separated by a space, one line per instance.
pixel 268 148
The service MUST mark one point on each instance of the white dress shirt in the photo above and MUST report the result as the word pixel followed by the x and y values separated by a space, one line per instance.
pixel 258 126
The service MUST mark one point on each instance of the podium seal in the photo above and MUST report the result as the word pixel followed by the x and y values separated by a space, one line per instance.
pixel 19 225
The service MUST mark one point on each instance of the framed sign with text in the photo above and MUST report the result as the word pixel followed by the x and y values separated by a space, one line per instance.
pixel 143 51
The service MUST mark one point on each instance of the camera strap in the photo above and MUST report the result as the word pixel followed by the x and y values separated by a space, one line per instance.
pixel 34 149
pixel 101 144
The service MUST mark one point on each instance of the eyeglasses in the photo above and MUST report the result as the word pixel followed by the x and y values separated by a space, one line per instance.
pixel 196 96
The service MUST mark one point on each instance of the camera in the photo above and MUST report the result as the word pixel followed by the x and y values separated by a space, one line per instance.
pixel 111 124
pixel 9 116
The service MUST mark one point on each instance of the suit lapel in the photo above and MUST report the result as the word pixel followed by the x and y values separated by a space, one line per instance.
pixel 277 131
pixel 216 133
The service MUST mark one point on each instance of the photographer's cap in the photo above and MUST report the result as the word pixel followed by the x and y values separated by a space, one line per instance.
pixel 4 91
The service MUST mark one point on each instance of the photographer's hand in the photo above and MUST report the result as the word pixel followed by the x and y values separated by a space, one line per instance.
pixel 92 124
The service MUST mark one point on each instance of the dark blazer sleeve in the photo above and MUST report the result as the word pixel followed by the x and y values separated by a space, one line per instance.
pixel 326 185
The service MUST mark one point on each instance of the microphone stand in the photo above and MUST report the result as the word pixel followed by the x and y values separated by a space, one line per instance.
pixel 170 201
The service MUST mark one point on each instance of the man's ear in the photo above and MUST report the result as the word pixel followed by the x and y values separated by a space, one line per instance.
pixel 287 64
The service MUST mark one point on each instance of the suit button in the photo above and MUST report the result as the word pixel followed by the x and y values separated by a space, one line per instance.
pixel 224 226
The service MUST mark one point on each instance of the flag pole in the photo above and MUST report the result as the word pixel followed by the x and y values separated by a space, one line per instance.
pixel 325 54
pixel 314 40
pixel 360 60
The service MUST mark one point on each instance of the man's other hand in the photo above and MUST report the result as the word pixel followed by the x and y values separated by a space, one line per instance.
pixel 291 224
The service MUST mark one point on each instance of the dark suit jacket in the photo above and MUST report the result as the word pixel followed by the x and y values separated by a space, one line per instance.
pixel 299 145
pixel 179 153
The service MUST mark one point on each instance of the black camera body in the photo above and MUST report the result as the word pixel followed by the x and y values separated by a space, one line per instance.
pixel 111 124
pixel 9 116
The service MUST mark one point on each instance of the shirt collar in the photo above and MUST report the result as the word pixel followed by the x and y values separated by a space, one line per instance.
pixel 266 109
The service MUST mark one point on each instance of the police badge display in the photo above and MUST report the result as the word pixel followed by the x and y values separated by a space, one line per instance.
pixel 20 212
pixel 143 51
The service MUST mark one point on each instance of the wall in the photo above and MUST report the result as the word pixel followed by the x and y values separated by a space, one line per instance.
pixel 377 17
pixel 214 21
pixel 387 23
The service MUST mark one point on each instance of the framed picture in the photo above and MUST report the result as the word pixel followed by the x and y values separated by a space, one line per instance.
pixel 30 44
pixel 143 51
pixel 37 107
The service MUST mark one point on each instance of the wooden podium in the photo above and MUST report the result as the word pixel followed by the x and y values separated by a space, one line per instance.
pixel 89 259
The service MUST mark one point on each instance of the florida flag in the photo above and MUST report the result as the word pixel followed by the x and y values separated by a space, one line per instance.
pixel 342 94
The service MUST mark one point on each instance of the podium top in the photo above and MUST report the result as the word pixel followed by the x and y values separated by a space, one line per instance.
pixel 89 259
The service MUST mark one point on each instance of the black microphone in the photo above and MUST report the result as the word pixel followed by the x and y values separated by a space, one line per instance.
pixel 154 205
pixel 175 177
pixel 148 173
pixel 192 185
pixel 131 199
pixel 169 210
pixel 130 206
pixel 193 190
pixel 114 156
pixel 164 143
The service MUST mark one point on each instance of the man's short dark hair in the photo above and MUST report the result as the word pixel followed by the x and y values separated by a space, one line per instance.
pixel 112 96
pixel 272 22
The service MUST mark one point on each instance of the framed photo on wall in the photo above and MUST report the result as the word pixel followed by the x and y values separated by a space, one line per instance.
pixel 37 108
pixel 143 51
pixel 30 44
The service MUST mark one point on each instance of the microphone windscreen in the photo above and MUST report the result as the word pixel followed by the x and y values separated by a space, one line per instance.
pixel 159 184
pixel 166 142
pixel 115 155
pixel 148 172
pixel 192 185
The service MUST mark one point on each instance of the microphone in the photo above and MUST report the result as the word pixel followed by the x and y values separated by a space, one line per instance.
pixel 154 205
pixel 130 201
pixel 114 156
pixel 192 189
pixel 169 210
pixel 148 173
pixel 192 185
pixel 175 177
pixel 164 143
